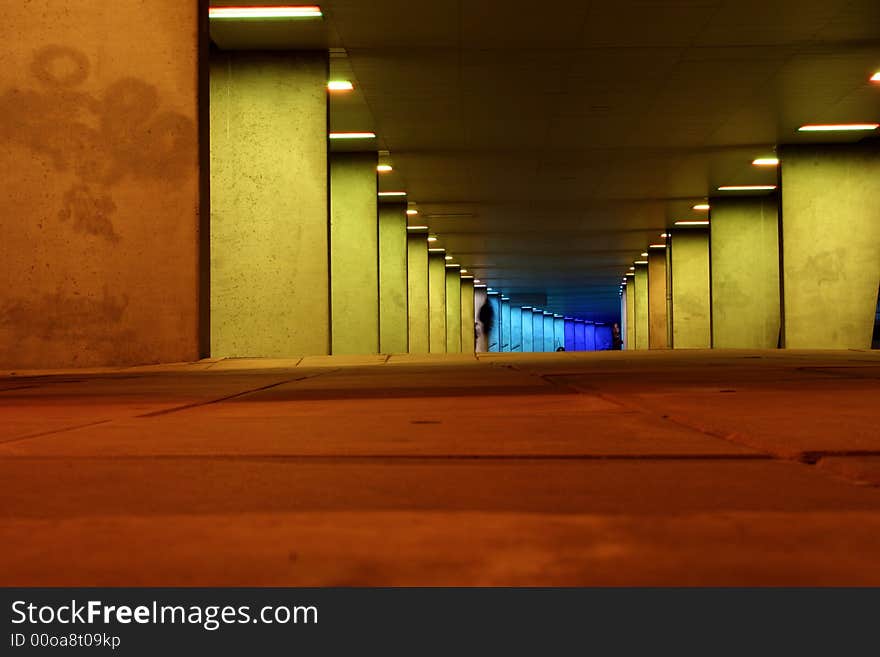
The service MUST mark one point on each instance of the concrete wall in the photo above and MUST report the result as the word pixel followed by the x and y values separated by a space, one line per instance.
pixel 354 253
pixel 453 310
pixel 830 244
pixel 590 337
pixel 269 267
pixel 549 333
pixel 99 157
pixel 745 273
pixel 580 336
pixel 537 330
pixel 468 345
pixel 657 318
pixel 569 335
pixel 691 315
pixel 493 338
pixel 516 338
pixel 558 332
pixel 437 302
pixel 417 293
pixel 641 307
pixel 527 326
pixel 393 337
pixel 505 325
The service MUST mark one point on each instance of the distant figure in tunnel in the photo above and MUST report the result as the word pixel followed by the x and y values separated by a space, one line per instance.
pixel 616 340
pixel 560 349
pixel 484 324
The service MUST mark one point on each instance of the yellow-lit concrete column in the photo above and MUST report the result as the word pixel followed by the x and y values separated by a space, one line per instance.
pixel 417 291
pixel 437 301
pixel 630 312
pixel 691 313
pixel 269 264
pixel 745 273
pixel 354 254
pixel 392 279
pixel 830 245
pixel 467 314
pixel 657 318
pixel 453 309
pixel 481 298
pixel 641 307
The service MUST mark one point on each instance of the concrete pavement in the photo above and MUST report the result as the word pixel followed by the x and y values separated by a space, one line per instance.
pixel 658 468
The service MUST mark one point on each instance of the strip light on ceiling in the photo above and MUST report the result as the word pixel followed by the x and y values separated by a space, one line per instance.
pixel 875 77
pixel 340 85
pixel 352 135
pixel 702 207
pixel 766 162
pixel 838 127
pixel 262 13
pixel 384 168
pixel 747 188
pixel 691 223
pixel 391 194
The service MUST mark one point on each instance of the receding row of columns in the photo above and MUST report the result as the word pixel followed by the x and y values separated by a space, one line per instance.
pixel 798 269
pixel 305 260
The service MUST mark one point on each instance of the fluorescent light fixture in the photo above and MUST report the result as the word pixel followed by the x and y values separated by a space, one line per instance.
pixel 352 135
pixel 875 77
pixel 449 257
pixel 477 280
pixel 526 307
pixel 384 168
pixel 645 255
pixel 265 12
pixel 412 212
pixel 450 265
pixel 490 289
pixel 630 273
pixel 691 223
pixel 656 246
pixel 432 238
pixel 480 286
pixel 340 85
pixel 641 262
pixel 766 162
pixel 702 207
pixel 747 188
pixel 664 235
pixel 466 278
pixel 464 271
pixel 436 250
pixel 417 228
pixel 391 194
pixel 838 127
pixel 631 269
pixel 505 298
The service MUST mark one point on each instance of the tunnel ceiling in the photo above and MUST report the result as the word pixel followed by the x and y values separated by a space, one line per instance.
pixel 564 137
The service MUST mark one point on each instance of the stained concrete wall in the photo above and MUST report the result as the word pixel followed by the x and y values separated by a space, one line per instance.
pixel 590 337
pixel 641 307
pixel 354 253
pixel 830 245
pixel 657 327
pixel 269 266
pixel 453 310
pixel 393 329
pixel 437 302
pixel 549 334
pixel 691 315
pixel 630 294
pixel 580 336
pixel 99 157
pixel 417 293
pixel 468 317
pixel 558 332
pixel 569 335
pixel 744 243
pixel 516 338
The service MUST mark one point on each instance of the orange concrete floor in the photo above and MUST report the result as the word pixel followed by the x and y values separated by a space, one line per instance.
pixel 689 468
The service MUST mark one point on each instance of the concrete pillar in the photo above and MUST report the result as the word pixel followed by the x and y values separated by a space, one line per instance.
pixel 830 230
pixel 549 332
pixel 417 292
pixel 537 330
pixel 630 295
pixel 603 337
pixel 453 309
pixel 494 334
pixel 268 233
pixel 392 279
pixel 437 302
pixel 516 338
pixel 100 220
pixel 558 332
pixel 657 319
pixel 527 329
pixel 590 337
pixel 481 300
pixel 467 315
pixel 569 334
pixel 505 324
pixel 691 316
pixel 641 307
pixel 580 337
pixel 744 243
pixel 354 253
